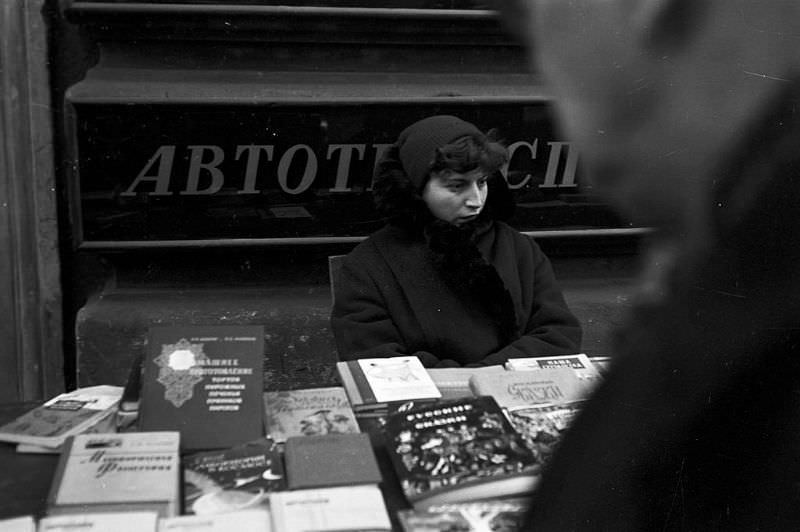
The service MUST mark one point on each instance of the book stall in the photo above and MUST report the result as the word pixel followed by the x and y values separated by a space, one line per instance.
pixel 194 442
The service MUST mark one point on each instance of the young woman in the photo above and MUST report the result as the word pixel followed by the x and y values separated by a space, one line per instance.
pixel 447 280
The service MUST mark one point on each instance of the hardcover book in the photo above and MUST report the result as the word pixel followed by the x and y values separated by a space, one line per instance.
pixel 379 385
pixel 232 479
pixel 502 515
pixel 308 412
pixel 458 451
pixel 50 424
pixel 330 460
pixel 249 520
pixel 134 471
pixel 330 509
pixel 205 382
pixel 104 425
pixel 522 388
pixel 121 521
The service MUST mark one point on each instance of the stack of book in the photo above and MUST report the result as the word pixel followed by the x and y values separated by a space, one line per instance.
pixel 209 450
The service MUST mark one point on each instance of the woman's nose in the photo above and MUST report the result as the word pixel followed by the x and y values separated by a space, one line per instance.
pixel 474 196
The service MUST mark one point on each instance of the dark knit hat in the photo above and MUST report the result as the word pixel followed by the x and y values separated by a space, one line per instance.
pixel 418 142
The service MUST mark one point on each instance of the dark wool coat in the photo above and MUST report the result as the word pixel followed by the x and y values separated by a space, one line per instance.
pixel 391 299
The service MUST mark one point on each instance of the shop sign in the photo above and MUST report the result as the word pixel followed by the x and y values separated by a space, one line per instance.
pixel 158 172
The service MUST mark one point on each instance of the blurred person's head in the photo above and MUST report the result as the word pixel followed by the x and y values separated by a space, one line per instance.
pixel 657 93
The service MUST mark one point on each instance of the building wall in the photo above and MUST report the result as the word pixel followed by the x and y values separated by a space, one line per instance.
pixel 30 296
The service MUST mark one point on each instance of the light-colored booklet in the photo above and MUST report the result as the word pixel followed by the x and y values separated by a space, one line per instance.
pixel 249 520
pixel 65 415
pixel 101 522
pixel 330 509
pixel 398 379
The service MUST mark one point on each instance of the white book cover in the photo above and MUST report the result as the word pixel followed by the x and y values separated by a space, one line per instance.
pixel 132 467
pixel 101 522
pixel 398 379
pixel 250 520
pixel 330 509
pixel 23 523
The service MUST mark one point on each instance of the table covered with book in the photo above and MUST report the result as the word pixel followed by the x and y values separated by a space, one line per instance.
pixel 465 446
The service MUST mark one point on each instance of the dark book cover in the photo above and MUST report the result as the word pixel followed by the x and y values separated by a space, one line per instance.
pixel 239 477
pixel 330 460
pixel 458 451
pixel 205 382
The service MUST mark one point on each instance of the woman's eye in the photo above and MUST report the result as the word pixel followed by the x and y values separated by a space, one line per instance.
pixel 483 181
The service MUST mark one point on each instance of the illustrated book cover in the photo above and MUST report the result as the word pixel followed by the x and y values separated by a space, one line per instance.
pixel 232 479
pixel 67 414
pixel 249 520
pixel 308 412
pixel 205 382
pixel 499 515
pixel 132 471
pixel 339 509
pixel 522 388
pixel 379 385
pixel 330 460
pixel 542 426
pixel 121 521
pixel 458 451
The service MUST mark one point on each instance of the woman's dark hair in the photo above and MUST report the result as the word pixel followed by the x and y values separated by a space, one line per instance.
pixel 468 153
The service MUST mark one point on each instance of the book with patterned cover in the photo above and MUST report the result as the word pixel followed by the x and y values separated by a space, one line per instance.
pixel 459 451
pixel 205 382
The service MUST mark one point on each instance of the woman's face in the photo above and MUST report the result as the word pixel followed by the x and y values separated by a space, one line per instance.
pixel 454 197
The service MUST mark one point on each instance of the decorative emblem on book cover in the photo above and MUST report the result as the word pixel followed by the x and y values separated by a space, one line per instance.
pixel 180 369
pixel 392 371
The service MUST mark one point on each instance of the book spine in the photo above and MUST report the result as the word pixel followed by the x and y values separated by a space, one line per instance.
pixel 350 388
pixel 362 384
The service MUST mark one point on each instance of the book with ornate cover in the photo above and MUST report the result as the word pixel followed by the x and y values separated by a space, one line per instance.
pixel 345 508
pixel 249 520
pixel 379 384
pixel 522 388
pixel 132 471
pixel 122 521
pixel 458 451
pixel 205 382
pixel 232 479
pixel 307 412
pixel 67 414
pixel 502 515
